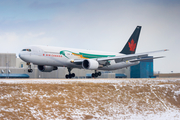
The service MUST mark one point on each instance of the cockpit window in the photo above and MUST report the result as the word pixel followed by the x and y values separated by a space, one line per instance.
pixel 27 50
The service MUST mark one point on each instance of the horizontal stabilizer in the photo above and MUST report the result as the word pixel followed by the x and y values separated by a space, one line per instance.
pixel 130 56
pixel 146 59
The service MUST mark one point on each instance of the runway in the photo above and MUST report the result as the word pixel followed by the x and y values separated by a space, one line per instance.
pixel 96 80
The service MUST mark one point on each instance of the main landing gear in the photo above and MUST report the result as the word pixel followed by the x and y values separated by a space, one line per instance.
pixel 29 68
pixel 96 74
pixel 70 75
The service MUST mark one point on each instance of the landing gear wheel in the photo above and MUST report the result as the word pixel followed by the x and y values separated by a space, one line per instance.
pixel 73 75
pixel 30 70
pixel 29 67
pixel 99 73
pixel 93 75
pixel 70 75
pixel 96 74
pixel 67 76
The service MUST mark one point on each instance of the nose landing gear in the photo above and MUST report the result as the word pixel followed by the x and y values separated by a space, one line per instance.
pixel 29 68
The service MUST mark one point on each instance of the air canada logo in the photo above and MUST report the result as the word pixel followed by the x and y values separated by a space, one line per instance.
pixel 132 45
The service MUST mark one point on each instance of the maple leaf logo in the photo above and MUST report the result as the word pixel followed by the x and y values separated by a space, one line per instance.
pixel 132 45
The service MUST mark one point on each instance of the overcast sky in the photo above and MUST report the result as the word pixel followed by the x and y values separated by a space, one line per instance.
pixel 103 25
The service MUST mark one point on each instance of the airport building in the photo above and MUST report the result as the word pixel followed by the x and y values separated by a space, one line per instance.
pixel 13 67
pixel 143 70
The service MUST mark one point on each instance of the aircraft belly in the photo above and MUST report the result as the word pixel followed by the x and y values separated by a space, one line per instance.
pixel 73 66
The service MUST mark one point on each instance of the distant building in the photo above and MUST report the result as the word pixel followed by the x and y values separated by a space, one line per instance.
pixel 143 70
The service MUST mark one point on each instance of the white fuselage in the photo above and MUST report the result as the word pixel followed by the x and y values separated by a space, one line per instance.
pixel 62 57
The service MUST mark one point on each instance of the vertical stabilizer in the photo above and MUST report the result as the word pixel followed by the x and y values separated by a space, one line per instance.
pixel 131 45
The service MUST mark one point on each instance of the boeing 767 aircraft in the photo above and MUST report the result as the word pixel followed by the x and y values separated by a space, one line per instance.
pixel 50 58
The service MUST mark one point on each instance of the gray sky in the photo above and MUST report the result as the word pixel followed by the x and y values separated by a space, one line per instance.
pixel 103 25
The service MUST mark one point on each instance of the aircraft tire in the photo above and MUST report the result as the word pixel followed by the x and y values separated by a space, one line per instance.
pixel 99 73
pixel 93 75
pixel 67 76
pixel 96 74
pixel 73 75
pixel 70 75
pixel 30 70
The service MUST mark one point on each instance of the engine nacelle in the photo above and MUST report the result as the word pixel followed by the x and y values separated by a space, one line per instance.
pixel 90 64
pixel 44 68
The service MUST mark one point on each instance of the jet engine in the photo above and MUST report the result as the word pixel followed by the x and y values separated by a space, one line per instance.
pixel 90 64
pixel 44 68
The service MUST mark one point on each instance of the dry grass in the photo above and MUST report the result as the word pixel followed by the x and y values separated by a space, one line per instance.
pixel 84 100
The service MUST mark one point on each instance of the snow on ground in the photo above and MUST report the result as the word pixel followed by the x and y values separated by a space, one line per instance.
pixel 111 80
pixel 90 99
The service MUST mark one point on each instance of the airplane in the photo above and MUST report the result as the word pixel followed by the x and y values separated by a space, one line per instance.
pixel 49 58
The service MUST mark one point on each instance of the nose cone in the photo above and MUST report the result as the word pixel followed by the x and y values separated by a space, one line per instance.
pixel 19 55
pixel 23 56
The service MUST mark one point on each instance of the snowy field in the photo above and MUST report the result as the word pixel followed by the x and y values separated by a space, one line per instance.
pixel 150 99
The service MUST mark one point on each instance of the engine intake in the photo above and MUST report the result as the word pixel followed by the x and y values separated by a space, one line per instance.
pixel 44 68
pixel 90 64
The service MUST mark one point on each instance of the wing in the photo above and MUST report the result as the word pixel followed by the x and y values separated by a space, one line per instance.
pixel 130 57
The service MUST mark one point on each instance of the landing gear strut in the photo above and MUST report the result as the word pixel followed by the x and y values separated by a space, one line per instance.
pixel 29 68
pixel 96 74
pixel 69 75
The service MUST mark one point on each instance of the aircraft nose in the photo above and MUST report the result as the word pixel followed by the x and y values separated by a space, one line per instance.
pixel 22 56
pixel 19 55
